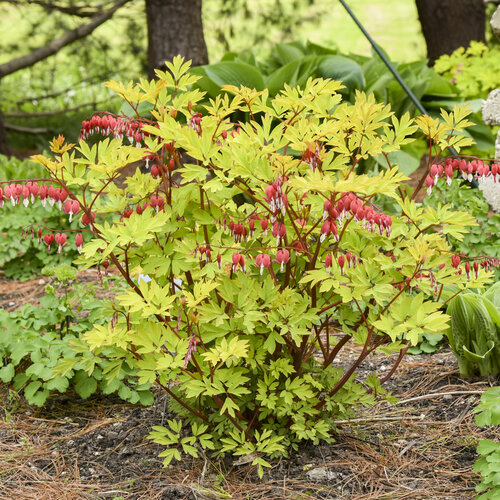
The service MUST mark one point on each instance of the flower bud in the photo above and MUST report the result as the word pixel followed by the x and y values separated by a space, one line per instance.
pixel 328 261
pixel 86 220
pixel 79 242
pixel 155 170
pixel 341 261
pixel 49 239
pixel 264 223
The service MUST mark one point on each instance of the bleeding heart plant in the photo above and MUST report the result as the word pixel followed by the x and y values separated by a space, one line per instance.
pixel 249 345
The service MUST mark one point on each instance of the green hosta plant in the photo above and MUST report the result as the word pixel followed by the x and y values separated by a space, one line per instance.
pixel 474 334
pixel 488 464
pixel 252 254
pixel 42 350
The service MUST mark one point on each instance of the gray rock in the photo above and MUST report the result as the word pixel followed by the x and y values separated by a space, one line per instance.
pixel 495 22
pixel 491 189
pixel 321 474
pixel 491 108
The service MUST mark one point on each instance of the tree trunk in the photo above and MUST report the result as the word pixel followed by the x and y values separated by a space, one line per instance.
pixel 4 148
pixel 450 24
pixel 174 27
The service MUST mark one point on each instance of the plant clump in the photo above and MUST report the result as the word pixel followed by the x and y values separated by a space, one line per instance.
pixel 254 255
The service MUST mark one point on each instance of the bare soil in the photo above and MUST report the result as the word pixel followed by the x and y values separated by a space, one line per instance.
pixel 423 447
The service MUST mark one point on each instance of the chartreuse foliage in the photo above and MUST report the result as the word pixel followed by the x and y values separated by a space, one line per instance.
pixel 474 334
pixel 42 350
pixel 488 464
pixel 474 70
pixel 255 281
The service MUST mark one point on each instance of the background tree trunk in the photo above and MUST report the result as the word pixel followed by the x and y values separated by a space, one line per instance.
pixel 174 27
pixel 449 24
pixel 4 148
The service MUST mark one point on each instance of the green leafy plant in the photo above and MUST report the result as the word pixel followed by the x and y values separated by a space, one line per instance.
pixel 294 63
pixel 42 350
pixel 252 254
pixel 488 413
pixel 427 343
pixel 474 334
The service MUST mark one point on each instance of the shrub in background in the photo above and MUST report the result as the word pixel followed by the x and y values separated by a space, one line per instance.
pixel 294 63
pixel 482 239
pixel 474 70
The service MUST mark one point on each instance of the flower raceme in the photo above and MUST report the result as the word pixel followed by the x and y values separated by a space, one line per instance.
pixel 79 242
pixel 475 169
pixel 276 198
pixel 30 191
pixel 351 206
pixel 119 127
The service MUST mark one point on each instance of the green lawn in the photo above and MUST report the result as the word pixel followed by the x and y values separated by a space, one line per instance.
pixel 393 23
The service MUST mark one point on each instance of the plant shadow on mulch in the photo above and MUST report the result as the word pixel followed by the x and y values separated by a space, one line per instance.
pixel 422 447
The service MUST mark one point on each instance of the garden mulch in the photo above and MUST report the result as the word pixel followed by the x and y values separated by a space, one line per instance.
pixel 422 447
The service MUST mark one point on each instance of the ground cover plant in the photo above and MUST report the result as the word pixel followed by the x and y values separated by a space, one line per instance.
pixel 42 351
pixel 250 248
pixel 67 448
